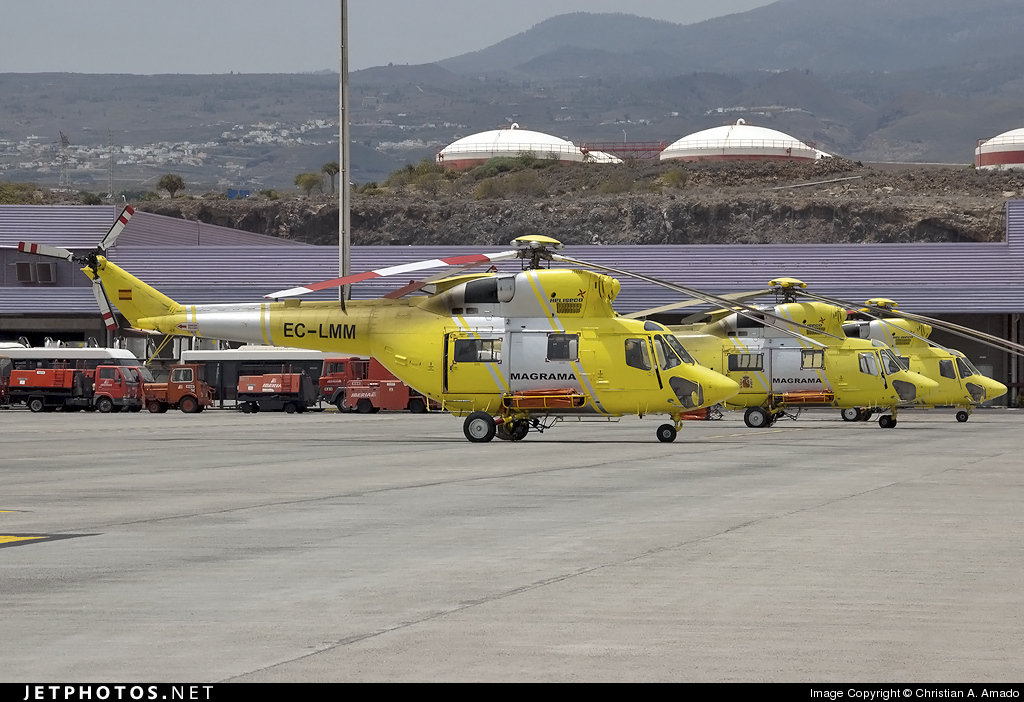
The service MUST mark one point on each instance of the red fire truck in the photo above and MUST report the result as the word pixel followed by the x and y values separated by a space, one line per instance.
pixel 107 389
pixel 185 389
pixel 364 385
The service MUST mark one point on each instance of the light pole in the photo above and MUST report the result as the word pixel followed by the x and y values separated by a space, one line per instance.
pixel 344 206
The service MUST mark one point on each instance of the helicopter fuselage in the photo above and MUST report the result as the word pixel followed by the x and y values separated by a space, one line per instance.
pixel 777 370
pixel 960 383
pixel 539 341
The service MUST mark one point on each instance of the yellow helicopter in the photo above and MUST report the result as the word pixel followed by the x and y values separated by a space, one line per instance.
pixel 509 352
pixel 961 385
pixel 780 370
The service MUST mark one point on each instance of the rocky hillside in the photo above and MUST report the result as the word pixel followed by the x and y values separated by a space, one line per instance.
pixel 833 200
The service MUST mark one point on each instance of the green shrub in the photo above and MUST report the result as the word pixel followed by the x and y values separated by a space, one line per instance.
pixel 526 184
pixel 489 188
pixel 676 179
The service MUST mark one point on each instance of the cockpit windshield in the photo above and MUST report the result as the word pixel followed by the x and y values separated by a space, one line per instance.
pixel 890 363
pixel 666 356
pixel 678 348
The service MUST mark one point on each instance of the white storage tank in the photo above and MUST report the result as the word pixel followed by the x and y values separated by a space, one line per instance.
pixel 1003 151
pixel 477 149
pixel 740 141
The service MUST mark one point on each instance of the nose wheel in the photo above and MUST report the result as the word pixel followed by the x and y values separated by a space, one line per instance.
pixel 962 416
pixel 667 433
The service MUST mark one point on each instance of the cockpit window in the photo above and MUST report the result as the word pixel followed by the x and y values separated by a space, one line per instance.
pixel 868 364
pixel 678 348
pixel 946 369
pixel 636 354
pixel 970 365
pixel 965 372
pixel 666 356
pixel 889 362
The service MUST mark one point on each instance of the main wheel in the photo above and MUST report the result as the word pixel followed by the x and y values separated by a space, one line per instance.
pixel 417 406
pixel 188 405
pixel 666 433
pixel 36 404
pixel 479 427
pixel 757 417
pixel 364 406
pixel 850 414
pixel 105 405
pixel 962 416
pixel 886 421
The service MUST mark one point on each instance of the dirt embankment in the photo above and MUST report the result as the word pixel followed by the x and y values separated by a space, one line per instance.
pixel 832 200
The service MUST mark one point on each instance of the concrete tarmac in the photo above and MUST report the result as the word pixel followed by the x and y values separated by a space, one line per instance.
pixel 328 547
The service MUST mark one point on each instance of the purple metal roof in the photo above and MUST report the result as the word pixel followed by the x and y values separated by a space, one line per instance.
pixel 947 278
pixel 81 227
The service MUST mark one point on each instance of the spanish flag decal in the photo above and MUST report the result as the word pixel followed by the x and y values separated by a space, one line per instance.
pixel 124 294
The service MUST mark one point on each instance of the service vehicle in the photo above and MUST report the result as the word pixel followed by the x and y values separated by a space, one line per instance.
pixel 106 389
pixel 365 386
pixel 185 389
pixel 274 392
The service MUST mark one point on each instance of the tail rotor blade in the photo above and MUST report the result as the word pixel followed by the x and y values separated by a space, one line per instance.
pixel 109 321
pixel 43 250
pixel 116 228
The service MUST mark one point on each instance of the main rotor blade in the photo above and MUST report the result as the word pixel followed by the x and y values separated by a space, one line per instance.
pixel 43 250
pixel 109 321
pixel 474 259
pixel 741 308
pixel 115 230
pixel 950 327
pixel 743 296
pixel 877 318
pixel 415 285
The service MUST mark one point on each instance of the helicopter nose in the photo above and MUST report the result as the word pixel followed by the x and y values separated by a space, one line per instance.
pixel 912 387
pixel 717 387
pixel 993 388
pixel 925 385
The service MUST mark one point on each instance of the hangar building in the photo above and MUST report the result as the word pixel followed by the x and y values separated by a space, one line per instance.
pixel 975 284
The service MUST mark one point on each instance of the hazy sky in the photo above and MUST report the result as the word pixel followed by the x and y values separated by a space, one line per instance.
pixel 272 36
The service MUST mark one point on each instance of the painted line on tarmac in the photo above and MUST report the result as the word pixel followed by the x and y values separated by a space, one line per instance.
pixel 7 540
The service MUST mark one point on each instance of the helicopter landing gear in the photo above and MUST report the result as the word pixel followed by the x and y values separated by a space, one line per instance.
pixel 479 427
pixel 851 414
pixel 513 430
pixel 887 421
pixel 667 433
pixel 757 417
pixel 962 416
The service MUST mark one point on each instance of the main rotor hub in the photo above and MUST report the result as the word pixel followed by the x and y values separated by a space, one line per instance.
pixel 536 248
